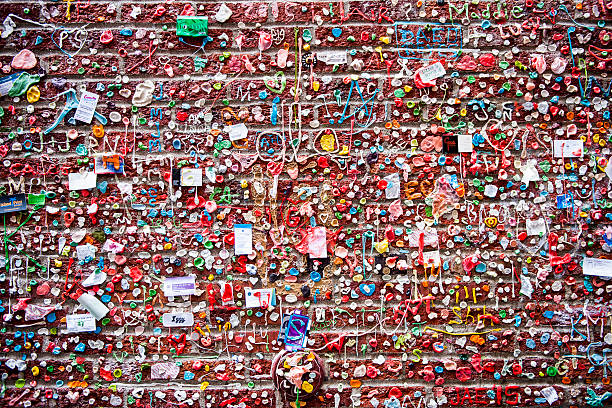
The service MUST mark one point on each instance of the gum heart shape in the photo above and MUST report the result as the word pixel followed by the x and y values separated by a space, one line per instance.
pixel 106 374
pixel 120 259
pixel 337 32
pixel 490 222
pixel 192 203
pixel 293 172
pixel 25 59
pixel 414 309
pixel 367 288
pixel 277 83
pixel 43 289
pixel 275 168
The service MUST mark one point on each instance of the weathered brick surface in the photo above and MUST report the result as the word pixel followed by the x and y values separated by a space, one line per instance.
pixel 514 314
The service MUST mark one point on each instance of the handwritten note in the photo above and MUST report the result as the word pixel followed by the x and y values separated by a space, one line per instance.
pixel 177 319
pixel 431 72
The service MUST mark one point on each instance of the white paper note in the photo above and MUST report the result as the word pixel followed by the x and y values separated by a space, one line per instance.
pixel 243 239
pixel 597 267
pixel 317 247
pixel 83 322
pixel 464 144
pixel 431 72
pixel 393 186
pixel 237 132
pixel 550 394
pixel 191 177
pixel 431 258
pixel 335 57
pixel 85 251
pixel 87 107
pixel 82 181
pixel 177 319
pixel 536 227
pixel 259 297
pixel 568 148
pixel 179 286
pixel 96 278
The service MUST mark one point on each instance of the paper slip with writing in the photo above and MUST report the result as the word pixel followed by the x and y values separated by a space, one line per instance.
pixel 179 286
pixel 87 107
pixel 597 267
pixel 259 297
pixel 243 239
pixel 464 143
pixel 78 323
pixel 431 72
pixel 177 319
pixel 568 148
pixel 237 132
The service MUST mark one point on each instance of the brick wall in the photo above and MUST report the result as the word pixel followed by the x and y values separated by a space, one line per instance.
pixel 426 182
